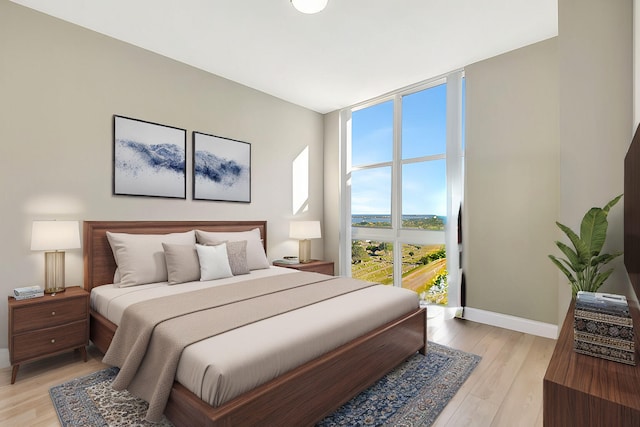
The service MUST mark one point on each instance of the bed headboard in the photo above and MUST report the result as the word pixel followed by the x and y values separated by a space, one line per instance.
pixel 99 265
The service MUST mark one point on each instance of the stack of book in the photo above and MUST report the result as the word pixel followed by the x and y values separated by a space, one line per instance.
pixel 288 260
pixel 28 292
pixel 603 327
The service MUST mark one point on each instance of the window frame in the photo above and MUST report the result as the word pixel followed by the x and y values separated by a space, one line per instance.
pixel 397 235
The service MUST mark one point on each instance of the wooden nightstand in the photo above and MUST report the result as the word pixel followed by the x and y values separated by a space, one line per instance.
pixel 316 265
pixel 48 325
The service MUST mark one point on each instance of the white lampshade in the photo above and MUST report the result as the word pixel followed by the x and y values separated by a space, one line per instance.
pixel 55 235
pixel 304 230
pixel 309 6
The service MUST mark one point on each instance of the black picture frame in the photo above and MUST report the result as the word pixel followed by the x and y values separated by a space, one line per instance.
pixel 221 168
pixel 149 159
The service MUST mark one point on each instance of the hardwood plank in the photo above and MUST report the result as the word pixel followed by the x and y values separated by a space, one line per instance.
pixel 474 411
pixel 491 345
pixel 487 387
pixel 500 375
pixel 523 401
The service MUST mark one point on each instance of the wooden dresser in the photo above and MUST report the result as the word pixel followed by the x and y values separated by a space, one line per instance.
pixel 580 390
pixel 48 325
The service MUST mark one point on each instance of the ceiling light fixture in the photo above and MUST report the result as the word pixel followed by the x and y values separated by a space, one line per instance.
pixel 309 6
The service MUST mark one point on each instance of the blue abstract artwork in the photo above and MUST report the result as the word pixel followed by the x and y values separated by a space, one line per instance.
pixel 221 169
pixel 148 159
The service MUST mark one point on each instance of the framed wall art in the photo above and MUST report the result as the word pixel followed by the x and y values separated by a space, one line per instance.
pixel 148 159
pixel 221 169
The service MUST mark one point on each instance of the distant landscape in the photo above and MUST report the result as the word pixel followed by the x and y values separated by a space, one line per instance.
pixel 424 267
pixel 425 222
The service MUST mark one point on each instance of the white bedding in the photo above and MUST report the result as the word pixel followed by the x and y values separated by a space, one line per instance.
pixel 225 366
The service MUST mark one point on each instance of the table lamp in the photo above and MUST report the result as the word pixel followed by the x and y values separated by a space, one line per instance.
pixel 53 237
pixel 303 231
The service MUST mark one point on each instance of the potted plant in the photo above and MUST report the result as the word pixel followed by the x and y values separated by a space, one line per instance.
pixel 584 261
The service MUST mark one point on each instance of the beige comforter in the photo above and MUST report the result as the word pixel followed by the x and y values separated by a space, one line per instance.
pixel 152 335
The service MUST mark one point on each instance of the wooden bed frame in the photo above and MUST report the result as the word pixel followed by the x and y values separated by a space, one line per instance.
pixel 300 397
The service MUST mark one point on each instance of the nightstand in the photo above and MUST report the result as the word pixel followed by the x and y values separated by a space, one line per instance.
pixel 316 265
pixel 44 326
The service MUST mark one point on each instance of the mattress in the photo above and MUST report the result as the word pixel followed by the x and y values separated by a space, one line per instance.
pixel 220 368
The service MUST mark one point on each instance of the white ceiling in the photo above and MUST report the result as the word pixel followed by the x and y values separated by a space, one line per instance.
pixel 353 51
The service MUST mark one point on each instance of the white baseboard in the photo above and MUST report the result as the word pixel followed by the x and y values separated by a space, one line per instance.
pixel 513 323
pixel 4 358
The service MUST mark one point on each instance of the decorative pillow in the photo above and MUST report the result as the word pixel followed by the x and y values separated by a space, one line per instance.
pixel 214 263
pixel 237 254
pixel 256 257
pixel 182 263
pixel 140 257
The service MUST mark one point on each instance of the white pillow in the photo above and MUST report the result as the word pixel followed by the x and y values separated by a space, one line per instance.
pixel 140 257
pixel 256 257
pixel 214 263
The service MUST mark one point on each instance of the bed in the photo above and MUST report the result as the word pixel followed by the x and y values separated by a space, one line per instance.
pixel 301 396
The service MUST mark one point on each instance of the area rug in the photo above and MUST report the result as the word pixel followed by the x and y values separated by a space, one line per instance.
pixel 413 394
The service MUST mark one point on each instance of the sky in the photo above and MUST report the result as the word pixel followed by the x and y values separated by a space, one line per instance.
pixel 423 134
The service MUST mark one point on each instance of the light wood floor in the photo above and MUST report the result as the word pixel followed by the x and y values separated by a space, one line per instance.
pixel 505 389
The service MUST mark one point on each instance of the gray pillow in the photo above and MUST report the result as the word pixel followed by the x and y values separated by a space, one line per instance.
pixel 237 253
pixel 182 263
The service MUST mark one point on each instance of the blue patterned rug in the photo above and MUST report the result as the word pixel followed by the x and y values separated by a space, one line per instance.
pixel 413 394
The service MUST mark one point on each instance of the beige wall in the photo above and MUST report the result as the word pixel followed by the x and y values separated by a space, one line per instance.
pixel 332 189
pixel 511 182
pixel 595 79
pixel 594 120
pixel 59 88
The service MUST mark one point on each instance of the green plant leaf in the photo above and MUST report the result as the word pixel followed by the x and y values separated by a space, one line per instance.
pixel 605 258
pixel 581 249
pixel 593 230
pixel 562 268
pixel 573 259
pixel 599 280
pixel 609 205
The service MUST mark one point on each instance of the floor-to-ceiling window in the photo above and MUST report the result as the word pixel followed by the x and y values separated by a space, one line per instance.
pixel 402 187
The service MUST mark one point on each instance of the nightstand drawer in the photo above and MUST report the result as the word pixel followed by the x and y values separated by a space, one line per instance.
pixel 47 314
pixel 48 341
pixel 323 269
pixel 315 266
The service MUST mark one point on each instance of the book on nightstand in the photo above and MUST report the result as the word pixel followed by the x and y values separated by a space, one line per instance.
pixel 28 292
pixel 287 260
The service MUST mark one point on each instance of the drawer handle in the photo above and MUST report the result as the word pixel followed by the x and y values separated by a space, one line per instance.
pixel 53 313
pixel 53 341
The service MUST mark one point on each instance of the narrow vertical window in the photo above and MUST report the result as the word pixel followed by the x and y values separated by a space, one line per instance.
pixel 401 187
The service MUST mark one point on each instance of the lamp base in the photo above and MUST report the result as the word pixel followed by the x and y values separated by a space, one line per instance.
pixel 304 251
pixel 54 272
